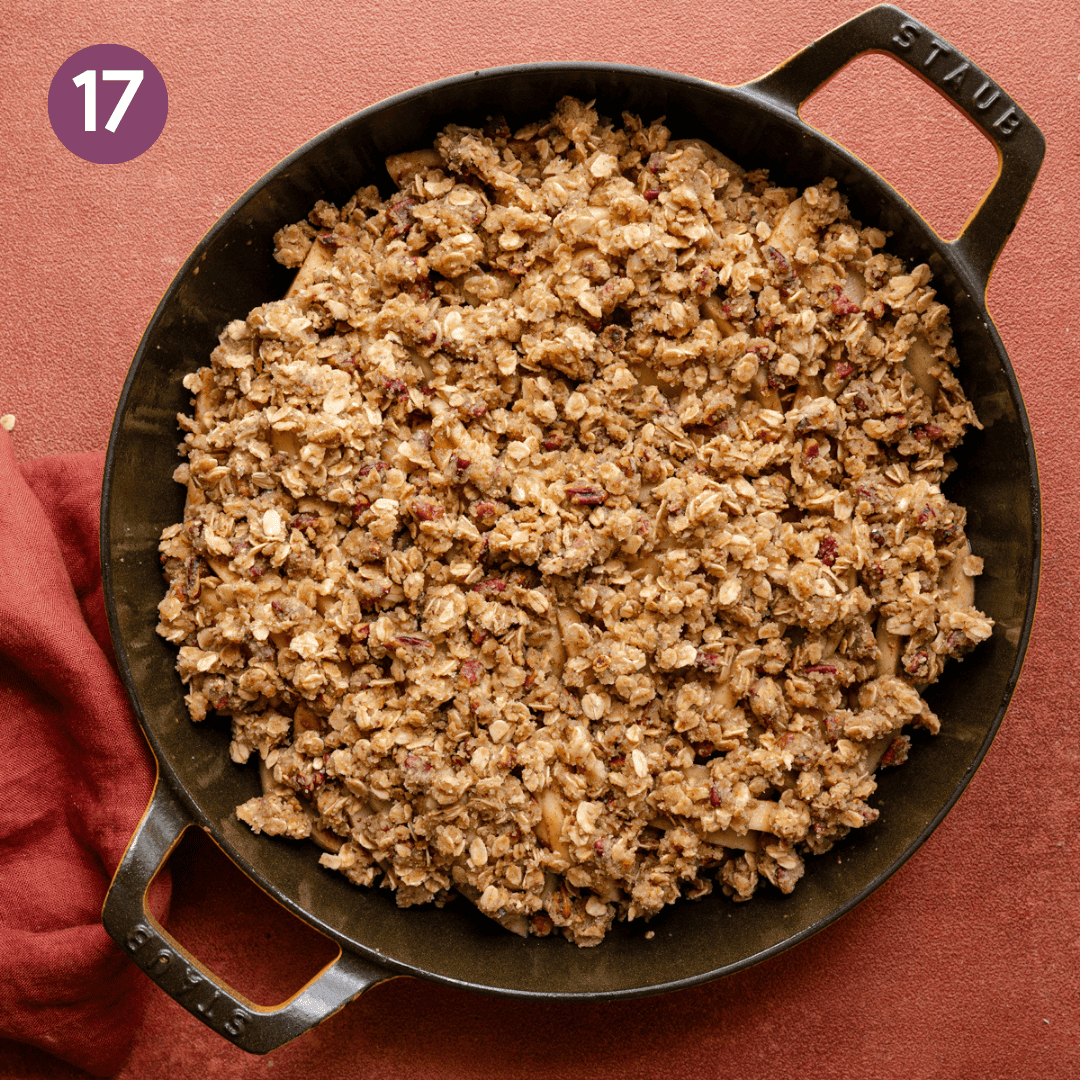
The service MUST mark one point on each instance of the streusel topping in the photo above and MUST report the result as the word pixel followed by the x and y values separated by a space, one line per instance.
pixel 572 535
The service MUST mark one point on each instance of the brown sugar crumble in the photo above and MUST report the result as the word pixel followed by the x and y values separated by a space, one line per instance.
pixel 571 536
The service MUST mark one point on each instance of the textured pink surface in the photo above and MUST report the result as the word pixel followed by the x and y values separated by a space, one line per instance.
pixel 963 964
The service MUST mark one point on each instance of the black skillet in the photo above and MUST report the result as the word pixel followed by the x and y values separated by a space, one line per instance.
pixel 231 271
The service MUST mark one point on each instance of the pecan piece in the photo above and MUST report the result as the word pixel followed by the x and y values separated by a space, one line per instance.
pixel 426 510
pixel 585 494
pixel 828 549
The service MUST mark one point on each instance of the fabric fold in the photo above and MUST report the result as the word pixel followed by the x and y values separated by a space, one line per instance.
pixel 79 773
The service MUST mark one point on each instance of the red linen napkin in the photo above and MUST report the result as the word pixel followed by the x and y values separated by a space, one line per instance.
pixel 75 777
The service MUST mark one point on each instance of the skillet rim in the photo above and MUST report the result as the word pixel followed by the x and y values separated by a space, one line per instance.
pixel 751 97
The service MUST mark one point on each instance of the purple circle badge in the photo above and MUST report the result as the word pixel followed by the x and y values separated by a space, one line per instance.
pixel 108 104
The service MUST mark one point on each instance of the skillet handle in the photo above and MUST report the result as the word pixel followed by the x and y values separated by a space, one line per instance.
pixel 887 29
pixel 252 1027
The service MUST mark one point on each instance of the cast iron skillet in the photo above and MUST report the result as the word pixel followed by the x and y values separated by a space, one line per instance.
pixel 231 271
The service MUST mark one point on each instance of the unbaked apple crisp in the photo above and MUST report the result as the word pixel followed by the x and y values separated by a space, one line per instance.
pixel 571 536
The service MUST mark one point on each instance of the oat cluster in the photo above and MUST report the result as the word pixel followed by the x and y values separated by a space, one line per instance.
pixel 571 536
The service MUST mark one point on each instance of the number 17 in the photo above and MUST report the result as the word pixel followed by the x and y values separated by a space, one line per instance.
pixel 88 81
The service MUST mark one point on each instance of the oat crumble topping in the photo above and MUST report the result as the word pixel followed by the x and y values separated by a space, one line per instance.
pixel 571 536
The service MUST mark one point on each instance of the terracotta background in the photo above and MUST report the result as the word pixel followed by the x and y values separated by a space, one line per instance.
pixel 965 963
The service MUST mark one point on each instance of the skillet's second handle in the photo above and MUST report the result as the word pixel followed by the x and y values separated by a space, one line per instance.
pixel 252 1027
pixel 1020 145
